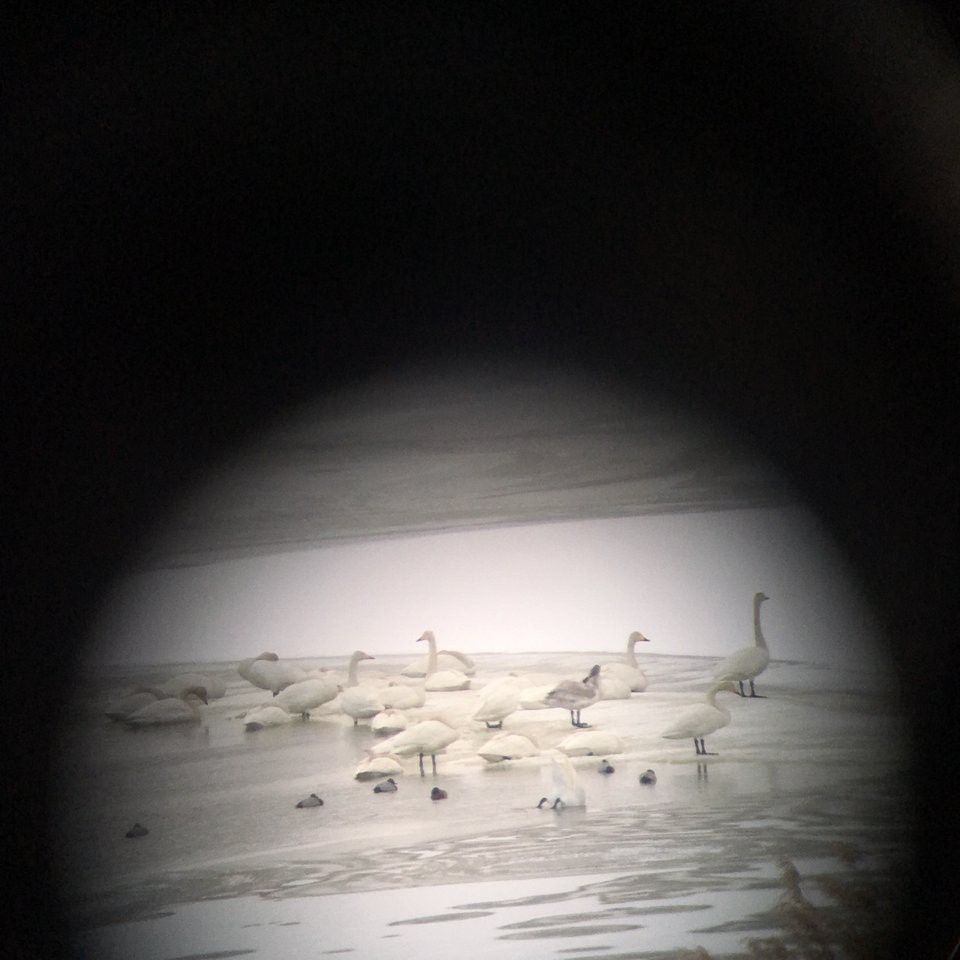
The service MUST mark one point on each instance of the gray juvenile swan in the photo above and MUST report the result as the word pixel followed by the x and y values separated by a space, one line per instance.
pixel 576 695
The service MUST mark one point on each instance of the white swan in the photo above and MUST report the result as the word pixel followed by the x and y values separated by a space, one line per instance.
pixel 134 701
pixel 274 675
pixel 425 739
pixel 441 680
pixel 268 715
pixel 629 670
pixel 243 667
pixel 388 722
pixel 575 695
pixel 613 688
pixel 591 743
pixel 532 698
pixel 358 702
pixel 306 695
pixel 498 700
pixel 701 719
pixel 401 696
pixel 508 746
pixel 375 768
pixel 446 660
pixel 214 686
pixel 170 710
pixel 749 662
pixel 567 789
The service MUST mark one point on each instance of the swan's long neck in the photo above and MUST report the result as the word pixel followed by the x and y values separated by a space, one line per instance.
pixel 757 632
pixel 712 700
pixel 352 680
pixel 631 653
pixel 432 656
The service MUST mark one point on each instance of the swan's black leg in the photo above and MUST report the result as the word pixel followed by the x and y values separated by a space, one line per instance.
pixel 422 774
pixel 433 757
pixel 742 694
pixel 696 745
pixel 704 751
pixel 753 693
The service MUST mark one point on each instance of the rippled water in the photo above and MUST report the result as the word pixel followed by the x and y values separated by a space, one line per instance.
pixel 809 774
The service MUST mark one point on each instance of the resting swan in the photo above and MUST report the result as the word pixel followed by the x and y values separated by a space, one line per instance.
pixel 749 662
pixel 497 701
pixel 132 702
pixel 701 719
pixel 508 746
pixel 373 768
pixel 629 670
pixel 268 715
pixel 170 710
pixel 591 743
pixel 441 680
pixel 576 695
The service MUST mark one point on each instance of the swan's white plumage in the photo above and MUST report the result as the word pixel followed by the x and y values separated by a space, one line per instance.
pixel 566 782
pixel 498 700
pixel 132 702
pixel 747 663
pixel 401 696
pixel 306 695
pixel 388 722
pixel 361 703
pixel 267 715
pixel 375 768
pixel 586 743
pixel 702 718
pixel 175 686
pixel 612 688
pixel 441 680
pixel 426 739
pixel 508 746
pixel 274 675
pixel 170 710
pixel 629 670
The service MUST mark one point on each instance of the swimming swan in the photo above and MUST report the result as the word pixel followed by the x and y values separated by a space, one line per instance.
pixel 441 680
pixel 701 719
pixel 749 662
pixel 629 670
pixel 575 695
pixel 424 739
pixel 170 710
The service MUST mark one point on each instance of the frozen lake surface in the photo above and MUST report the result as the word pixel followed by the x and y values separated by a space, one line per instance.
pixel 813 775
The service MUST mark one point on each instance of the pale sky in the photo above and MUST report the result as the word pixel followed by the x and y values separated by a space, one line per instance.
pixel 685 580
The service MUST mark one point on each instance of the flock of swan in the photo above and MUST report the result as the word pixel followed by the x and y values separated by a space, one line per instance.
pixel 390 705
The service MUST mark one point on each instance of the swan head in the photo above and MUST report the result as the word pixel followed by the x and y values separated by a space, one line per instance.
pixel 593 674
pixel 428 636
pixel 359 655
pixel 637 636
pixel 758 598
pixel 543 800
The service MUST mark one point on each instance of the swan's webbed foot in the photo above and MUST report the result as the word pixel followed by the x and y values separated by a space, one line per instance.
pixel 581 724
pixel 753 693
pixel 494 726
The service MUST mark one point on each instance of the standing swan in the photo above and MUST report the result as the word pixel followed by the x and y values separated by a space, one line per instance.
pixel 749 662
pixel 425 739
pixel 701 719
pixel 576 695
